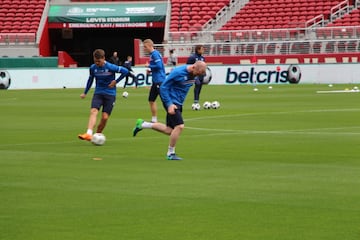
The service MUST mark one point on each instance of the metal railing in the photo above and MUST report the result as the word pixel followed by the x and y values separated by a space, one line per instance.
pixel 19 39
pixel 263 48
pixel 294 34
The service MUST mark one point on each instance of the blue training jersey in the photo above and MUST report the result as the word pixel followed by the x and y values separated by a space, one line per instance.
pixel 103 77
pixel 157 67
pixel 176 86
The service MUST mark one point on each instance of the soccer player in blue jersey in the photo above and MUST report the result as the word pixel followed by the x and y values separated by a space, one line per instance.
pixel 157 69
pixel 105 91
pixel 173 92
pixel 197 56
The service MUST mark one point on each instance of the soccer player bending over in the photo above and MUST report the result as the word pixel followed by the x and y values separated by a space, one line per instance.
pixel 173 92
pixel 105 91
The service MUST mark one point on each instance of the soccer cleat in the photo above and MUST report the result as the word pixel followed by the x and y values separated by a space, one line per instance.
pixel 173 156
pixel 85 136
pixel 138 126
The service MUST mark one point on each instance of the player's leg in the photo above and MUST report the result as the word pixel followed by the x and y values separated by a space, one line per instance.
pixel 92 119
pixel 154 92
pixel 95 106
pixel 102 123
pixel 157 126
pixel 197 90
pixel 108 104
pixel 126 81
pixel 176 123
pixel 153 109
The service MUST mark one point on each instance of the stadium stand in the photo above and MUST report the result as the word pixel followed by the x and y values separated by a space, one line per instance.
pixel 260 27
pixel 261 14
pixel 20 21
pixel 20 16
pixel 187 15
pixel 107 0
pixel 273 27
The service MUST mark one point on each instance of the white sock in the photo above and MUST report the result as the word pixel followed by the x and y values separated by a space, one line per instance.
pixel 154 119
pixel 171 150
pixel 146 124
pixel 89 131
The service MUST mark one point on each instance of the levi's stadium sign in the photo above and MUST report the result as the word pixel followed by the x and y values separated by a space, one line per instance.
pixel 108 16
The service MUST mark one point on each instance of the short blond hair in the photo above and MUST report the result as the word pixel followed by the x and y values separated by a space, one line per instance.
pixel 148 41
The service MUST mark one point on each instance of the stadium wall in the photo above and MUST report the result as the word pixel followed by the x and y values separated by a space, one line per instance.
pixel 221 75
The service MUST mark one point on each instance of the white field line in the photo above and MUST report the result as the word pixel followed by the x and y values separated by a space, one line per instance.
pixel 274 113
pixel 339 91
pixel 280 132
pixel 218 131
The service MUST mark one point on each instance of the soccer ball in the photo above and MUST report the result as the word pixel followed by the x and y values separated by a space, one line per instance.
pixel 125 94
pixel 207 77
pixel 5 79
pixel 215 105
pixel 195 106
pixel 294 74
pixel 98 139
pixel 207 105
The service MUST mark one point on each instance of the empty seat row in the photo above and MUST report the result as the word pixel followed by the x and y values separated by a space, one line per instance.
pixel 20 16
pixel 187 15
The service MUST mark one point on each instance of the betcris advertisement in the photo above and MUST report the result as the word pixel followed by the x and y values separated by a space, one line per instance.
pixel 343 73
pixel 216 75
pixel 235 75
pixel 256 74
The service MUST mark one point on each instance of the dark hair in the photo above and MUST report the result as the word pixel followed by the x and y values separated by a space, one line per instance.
pixel 99 53
pixel 171 50
pixel 198 47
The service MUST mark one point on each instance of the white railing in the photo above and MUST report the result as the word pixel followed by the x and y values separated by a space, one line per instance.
pixel 224 15
pixel 339 10
pixel 167 20
pixel 345 32
pixel 18 39
pixel 317 21
pixel 262 48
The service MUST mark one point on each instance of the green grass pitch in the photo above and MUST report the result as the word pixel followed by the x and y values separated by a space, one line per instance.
pixel 276 164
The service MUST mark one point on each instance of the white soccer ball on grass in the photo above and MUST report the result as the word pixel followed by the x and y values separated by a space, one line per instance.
pixel 215 105
pixel 98 139
pixel 195 106
pixel 125 94
pixel 207 105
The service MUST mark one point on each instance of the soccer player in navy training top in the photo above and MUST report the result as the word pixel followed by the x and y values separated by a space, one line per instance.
pixel 105 91
pixel 197 56
pixel 157 69
pixel 173 92
pixel 128 64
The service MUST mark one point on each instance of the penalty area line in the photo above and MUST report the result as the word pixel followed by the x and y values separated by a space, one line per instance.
pixel 339 91
pixel 281 132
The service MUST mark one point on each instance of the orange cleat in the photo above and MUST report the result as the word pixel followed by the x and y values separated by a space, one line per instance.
pixel 85 136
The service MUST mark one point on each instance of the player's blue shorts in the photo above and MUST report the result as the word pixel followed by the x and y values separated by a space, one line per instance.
pixel 105 101
pixel 175 119
pixel 154 92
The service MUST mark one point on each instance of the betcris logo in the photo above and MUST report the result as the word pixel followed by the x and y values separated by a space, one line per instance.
pixel 256 75
pixel 142 79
